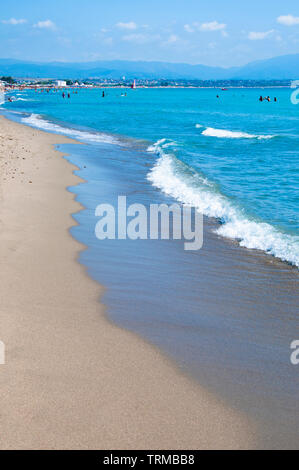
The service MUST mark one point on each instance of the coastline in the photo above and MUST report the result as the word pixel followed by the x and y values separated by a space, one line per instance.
pixel 72 379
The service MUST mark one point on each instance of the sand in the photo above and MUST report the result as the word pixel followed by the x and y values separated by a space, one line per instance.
pixel 73 380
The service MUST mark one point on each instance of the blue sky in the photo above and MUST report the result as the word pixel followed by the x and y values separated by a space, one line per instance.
pixel 215 32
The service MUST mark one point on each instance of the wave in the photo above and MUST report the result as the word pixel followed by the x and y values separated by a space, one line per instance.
pixel 225 134
pixel 35 120
pixel 161 143
pixel 178 180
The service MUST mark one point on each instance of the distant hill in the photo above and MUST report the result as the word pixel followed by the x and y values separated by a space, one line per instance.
pixel 283 67
pixel 109 69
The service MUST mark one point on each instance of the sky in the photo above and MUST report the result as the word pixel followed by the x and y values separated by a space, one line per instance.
pixel 217 32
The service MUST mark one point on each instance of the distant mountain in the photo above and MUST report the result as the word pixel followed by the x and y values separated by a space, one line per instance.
pixel 283 67
pixel 109 69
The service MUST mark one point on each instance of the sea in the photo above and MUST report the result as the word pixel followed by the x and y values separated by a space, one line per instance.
pixel 225 315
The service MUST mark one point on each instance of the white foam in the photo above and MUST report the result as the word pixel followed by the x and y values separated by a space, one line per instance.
pixel 156 146
pixel 225 134
pixel 35 120
pixel 172 177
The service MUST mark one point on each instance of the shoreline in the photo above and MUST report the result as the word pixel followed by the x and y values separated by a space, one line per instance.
pixel 72 379
pixel 127 87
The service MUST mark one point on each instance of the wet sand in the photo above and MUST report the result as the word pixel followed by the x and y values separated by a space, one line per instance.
pixel 72 380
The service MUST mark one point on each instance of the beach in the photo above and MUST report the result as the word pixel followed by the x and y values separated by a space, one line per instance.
pixel 72 379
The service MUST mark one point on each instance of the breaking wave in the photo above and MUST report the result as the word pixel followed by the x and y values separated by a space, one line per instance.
pixel 225 134
pixel 35 120
pixel 178 180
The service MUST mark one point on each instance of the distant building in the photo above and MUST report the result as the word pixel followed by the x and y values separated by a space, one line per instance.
pixel 60 83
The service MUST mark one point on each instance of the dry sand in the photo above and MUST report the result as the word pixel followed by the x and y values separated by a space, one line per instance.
pixel 72 380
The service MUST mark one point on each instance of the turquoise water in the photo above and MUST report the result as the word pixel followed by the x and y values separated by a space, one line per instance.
pixel 234 158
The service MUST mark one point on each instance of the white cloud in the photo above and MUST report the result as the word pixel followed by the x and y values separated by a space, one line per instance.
pixel 140 38
pixel 130 25
pixel 206 27
pixel 288 20
pixel 172 39
pixel 189 28
pixel 256 36
pixel 47 24
pixel 212 26
pixel 14 22
pixel 134 37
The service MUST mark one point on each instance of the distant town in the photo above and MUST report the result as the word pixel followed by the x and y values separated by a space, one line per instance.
pixel 21 83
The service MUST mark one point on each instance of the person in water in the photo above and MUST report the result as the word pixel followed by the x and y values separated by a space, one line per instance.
pixel 261 98
pixel 63 95
pixel 275 99
pixel 68 95
pixel 103 94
